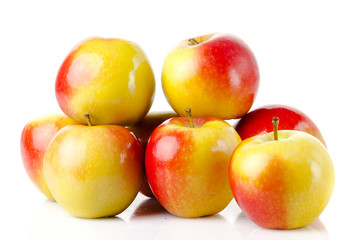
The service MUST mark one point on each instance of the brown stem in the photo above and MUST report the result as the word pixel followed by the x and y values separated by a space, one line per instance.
pixel 192 41
pixel 188 111
pixel 87 116
pixel 275 122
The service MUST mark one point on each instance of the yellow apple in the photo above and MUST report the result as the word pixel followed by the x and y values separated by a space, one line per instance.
pixel 111 79
pixel 94 171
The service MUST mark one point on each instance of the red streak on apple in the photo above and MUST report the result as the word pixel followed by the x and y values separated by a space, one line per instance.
pixel 36 141
pixel 265 197
pixel 169 169
pixel 231 67
pixel 62 86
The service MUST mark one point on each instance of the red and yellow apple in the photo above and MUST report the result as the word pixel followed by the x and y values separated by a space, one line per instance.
pixel 283 179
pixel 258 121
pixel 111 79
pixel 187 165
pixel 216 75
pixel 94 171
pixel 35 138
pixel 142 131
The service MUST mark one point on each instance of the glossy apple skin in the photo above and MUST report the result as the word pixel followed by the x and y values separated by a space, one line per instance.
pixel 187 168
pixel 35 138
pixel 259 121
pixel 282 184
pixel 218 77
pixel 142 131
pixel 111 79
pixel 94 171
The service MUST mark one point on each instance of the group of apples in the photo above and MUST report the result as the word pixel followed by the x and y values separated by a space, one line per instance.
pixel 95 160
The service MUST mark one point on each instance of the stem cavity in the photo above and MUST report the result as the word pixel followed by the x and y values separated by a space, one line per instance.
pixel 275 122
pixel 87 116
pixel 188 111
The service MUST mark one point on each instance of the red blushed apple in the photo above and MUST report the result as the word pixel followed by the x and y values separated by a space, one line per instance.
pixel 142 131
pixel 187 165
pixel 259 121
pixel 35 139
pixel 215 75
pixel 283 179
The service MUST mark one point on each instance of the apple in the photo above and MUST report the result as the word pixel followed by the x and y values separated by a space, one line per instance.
pixel 187 163
pixel 143 130
pixel 94 171
pixel 283 179
pixel 258 121
pixel 216 75
pixel 111 79
pixel 35 138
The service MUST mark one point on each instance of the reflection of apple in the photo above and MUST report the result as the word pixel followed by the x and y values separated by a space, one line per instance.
pixel 215 75
pixel 111 79
pixel 210 227
pixel 187 165
pixel 259 120
pixel 283 179
pixel 35 139
pixel 145 218
pixel 143 130
pixel 51 222
pixel 250 231
pixel 94 171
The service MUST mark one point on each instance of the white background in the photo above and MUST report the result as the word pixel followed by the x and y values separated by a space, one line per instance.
pixel 308 55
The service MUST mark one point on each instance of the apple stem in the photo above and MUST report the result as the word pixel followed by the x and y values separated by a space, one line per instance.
pixel 192 41
pixel 275 122
pixel 87 116
pixel 188 111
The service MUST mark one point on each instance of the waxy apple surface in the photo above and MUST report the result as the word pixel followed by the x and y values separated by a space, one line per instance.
pixel 187 168
pixel 215 75
pixel 142 131
pixel 258 121
pixel 94 171
pixel 282 184
pixel 35 139
pixel 111 79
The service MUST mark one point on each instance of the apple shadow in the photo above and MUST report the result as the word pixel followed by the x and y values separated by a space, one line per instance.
pixel 149 207
pixel 249 230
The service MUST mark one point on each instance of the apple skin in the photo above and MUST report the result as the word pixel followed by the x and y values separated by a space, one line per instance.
pixel 35 138
pixel 282 184
pixel 218 77
pixel 94 171
pixel 142 131
pixel 111 79
pixel 187 168
pixel 258 121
